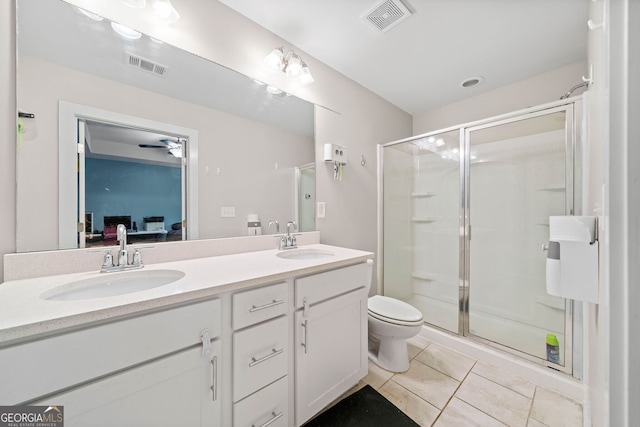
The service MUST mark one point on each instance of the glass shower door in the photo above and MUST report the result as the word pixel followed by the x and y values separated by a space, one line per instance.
pixel 519 172
pixel 421 201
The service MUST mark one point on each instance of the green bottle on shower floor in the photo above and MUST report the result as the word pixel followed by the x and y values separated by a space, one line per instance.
pixel 553 349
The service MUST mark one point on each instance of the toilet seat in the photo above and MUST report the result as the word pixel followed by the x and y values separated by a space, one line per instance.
pixel 393 311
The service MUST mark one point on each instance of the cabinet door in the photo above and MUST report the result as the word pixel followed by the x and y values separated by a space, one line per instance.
pixel 178 390
pixel 331 351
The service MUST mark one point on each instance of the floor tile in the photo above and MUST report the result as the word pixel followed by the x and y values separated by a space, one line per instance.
pixel 416 344
pixel 493 399
pixel 534 423
pixel 449 362
pixel 461 414
pixel 376 376
pixel 428 383
pixel 417 409
pixel 505 378
pixel 554 409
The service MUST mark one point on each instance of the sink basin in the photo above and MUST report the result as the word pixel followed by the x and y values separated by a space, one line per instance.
pixel 112 284
pixel 304 254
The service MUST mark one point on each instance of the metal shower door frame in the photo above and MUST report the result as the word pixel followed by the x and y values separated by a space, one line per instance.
pixel 465 221
pixel 573 149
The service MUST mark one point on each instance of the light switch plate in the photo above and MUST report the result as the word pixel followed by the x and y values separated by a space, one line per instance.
pixel 321 210
pixel 227 212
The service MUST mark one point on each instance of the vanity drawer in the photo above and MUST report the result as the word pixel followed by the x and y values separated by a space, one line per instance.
pixel 260 356
pixel 269 405
pixel 322 286
pixel 50 364
pixel 260 304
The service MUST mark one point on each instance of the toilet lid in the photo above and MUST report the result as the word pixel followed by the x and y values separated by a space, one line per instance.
pixel 391 309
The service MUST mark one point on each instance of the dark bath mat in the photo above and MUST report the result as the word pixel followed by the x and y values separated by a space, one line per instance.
pixel 365 407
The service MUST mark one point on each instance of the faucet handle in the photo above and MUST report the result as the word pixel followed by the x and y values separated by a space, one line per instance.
pixel 108 259
pixel 137 256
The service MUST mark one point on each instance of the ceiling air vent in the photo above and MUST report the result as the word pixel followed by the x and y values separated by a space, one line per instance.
pixel 387 15
pixel 146 65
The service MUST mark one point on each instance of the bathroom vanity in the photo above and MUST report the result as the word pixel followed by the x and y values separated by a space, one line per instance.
pixel 259 338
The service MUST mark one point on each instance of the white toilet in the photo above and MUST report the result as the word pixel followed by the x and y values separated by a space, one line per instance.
pixel 391 323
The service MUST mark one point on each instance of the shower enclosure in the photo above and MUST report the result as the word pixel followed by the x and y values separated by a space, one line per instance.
pixel 465 213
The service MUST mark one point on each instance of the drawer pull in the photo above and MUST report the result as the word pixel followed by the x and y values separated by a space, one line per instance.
pixel 262 307
pixel 273 353
pixel 275 417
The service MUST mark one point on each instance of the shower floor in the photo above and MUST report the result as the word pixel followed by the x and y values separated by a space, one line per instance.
pixel 522 337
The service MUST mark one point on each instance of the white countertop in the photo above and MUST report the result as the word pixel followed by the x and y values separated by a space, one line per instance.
pixel 24 314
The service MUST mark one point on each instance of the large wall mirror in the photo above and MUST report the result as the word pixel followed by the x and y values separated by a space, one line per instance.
pixel 136 130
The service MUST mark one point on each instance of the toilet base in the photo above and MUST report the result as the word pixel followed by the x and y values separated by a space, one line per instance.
pixel 390 354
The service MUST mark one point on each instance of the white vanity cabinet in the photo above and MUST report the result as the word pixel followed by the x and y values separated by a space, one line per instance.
pixel 177 390
pixel 261 356
pixel 330 336
pixel 156 369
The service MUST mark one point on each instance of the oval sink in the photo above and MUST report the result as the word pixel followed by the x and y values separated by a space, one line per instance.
pixel 304 254
pixel 112 284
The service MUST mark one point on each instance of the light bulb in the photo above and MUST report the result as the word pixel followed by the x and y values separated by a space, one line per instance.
pixel 294 66
pixel 274 59
pixel 89 14
pixel 305 74
pixel 165 10
pixel 126 32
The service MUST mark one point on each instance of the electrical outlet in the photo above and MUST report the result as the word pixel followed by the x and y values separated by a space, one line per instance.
pixel 227 212
pixel 321 210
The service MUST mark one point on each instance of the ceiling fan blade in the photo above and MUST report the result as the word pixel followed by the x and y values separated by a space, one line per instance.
pixel 151 146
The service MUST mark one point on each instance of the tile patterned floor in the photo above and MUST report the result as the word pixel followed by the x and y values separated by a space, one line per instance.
pixel 443 388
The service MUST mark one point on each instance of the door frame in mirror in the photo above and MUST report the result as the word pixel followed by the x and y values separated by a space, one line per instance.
pixel 68 116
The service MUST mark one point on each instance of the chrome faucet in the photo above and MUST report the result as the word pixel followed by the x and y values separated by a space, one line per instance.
pixel 121 235
pixel 288 241
pixel 109 266
pixel 277 224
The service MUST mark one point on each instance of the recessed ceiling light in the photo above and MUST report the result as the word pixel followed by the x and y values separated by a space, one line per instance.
pixel 472 81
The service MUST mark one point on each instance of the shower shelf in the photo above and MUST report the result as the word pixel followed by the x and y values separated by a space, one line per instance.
pixel 553 187
pixel 424 276
pixel 423 219
pixel 425 194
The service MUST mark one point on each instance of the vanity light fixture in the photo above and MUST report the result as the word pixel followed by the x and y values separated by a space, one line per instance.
pixel 165 10
pixel 291 64
pixel 126 32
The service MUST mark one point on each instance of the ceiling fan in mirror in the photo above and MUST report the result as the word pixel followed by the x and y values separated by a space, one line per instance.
pixel 174 147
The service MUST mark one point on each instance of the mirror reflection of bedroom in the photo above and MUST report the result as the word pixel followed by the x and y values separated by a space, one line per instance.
pixel 133 177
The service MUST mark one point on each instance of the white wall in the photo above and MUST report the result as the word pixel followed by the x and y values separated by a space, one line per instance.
pixel 7 129
pixel 243 150
pixel 537 90
pixel 622 213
